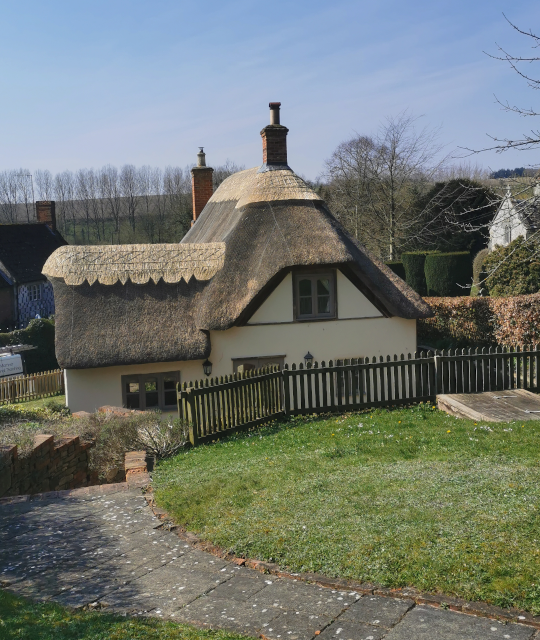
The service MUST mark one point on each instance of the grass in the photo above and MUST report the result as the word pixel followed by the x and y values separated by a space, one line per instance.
pixel 405 497
pixel 42 402
pixel 26 620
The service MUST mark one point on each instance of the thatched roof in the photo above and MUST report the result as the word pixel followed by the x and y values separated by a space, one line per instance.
pixel 139 263
pixel 270 223
pixel 253 231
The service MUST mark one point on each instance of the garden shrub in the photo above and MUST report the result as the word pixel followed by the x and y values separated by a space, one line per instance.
pixel 413 262
pixel 448 274
pixel 469 321
pixel 479 274
pixel 397 268
pixel 39 333
pixel 513 270
pixel 114 435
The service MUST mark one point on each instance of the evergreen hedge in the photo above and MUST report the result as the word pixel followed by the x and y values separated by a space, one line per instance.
pixel 448 274
pixel 413 262
pixel 39 333
pixel 514 270
pixel 397 268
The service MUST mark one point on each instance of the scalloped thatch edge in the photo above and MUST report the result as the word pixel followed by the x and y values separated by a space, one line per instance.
pixel 140 263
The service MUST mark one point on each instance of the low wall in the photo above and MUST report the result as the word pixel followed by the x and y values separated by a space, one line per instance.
pixel 50 466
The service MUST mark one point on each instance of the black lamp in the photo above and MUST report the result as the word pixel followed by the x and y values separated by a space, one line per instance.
pixel 207 367
pixel 308 359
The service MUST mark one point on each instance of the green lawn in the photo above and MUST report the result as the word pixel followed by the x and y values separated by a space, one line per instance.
pixel 25 620
pixel 42 402
pixel 405 497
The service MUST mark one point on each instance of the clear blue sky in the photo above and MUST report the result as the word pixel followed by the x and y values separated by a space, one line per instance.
pixel 86 84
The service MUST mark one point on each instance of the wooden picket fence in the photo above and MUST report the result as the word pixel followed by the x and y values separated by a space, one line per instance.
pixel 218 407
pixel 31 387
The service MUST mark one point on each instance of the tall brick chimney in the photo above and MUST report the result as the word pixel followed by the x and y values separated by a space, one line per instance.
pixel 46 213
pixel 274 137
pixel 201 184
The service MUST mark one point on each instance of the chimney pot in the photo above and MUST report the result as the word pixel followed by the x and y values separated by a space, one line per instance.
pixel 46 213
pixel 274 112
pixel 201 184
pixel 201 158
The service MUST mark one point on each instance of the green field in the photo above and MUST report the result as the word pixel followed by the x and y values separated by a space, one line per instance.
pixel 405 497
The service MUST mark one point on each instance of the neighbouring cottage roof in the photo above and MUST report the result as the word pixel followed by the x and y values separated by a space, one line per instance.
pixel 138 303
pixel 24 249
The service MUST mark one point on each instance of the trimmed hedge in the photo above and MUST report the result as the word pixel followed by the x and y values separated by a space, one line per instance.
pixel 397 268
pixel 39 333
pixel 413 262
pixel 511 322
pixel 448 274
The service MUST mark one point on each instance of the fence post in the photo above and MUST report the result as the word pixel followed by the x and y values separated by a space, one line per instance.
pixel 192 416
pixel 286 391
pixel 436 367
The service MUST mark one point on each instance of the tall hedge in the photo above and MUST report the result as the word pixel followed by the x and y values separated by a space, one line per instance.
pixel 39 333
pixel 397 268
pixel 448 274
pixel 469 321
pixel 413 262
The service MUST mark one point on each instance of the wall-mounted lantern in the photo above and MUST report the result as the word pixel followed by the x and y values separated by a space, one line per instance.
pixel 207 367
pixel 308 359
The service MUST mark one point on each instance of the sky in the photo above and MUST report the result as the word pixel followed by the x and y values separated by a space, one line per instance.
pixel 86 84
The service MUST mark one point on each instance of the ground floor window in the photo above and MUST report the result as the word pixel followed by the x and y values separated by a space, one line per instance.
pixel 147 391
pixel 240 365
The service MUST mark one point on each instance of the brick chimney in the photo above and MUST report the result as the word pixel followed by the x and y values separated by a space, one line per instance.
pixel 201 183
pixel 274 137
pixel 46 213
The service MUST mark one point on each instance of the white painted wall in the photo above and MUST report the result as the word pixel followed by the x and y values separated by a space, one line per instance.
pixel 278 307
pixel 88 389
pixel 506 217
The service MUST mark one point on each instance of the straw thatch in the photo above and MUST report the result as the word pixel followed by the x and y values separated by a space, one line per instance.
pixel 266 237
pixel 139 263
pixel 254 230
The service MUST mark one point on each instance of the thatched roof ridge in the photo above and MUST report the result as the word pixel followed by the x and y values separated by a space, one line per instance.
pixel 139 263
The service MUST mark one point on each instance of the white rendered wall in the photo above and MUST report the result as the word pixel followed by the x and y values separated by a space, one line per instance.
pixel 505 217
pixel 278 307
pixel 89 389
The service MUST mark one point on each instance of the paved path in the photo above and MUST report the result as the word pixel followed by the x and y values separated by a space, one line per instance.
pixel 105 551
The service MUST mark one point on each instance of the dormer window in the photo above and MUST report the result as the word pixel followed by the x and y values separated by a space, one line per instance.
pixel 314 295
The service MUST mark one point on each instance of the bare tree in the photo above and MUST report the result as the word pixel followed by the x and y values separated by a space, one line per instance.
pixel 111 191
pixel 44 183
pixel 26 192
pixel 222 172
pixel 64 193
pixel 129 185
pixel 8 196
pixel 374 181
pixel 530 140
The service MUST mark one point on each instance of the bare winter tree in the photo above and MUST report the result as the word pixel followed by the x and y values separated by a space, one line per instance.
pixel 44 183
pixel 9 196
pixel 530 140
pixel 129 185
pixel 26 192
pixel 224 171
pixel 374 181
pixel 64 194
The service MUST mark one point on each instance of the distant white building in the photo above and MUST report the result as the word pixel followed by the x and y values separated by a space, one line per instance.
pixel 515 218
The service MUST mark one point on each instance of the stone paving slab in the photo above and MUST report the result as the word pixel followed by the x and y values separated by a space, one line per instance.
pixel 425 623
pixel 107 550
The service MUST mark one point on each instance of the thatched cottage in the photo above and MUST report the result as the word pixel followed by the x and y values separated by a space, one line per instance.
pixel 265 275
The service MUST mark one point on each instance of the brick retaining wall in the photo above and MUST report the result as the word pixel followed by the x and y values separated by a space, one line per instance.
pixel 50 466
